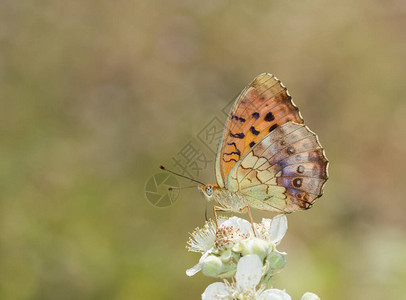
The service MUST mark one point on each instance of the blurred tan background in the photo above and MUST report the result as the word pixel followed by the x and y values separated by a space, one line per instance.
pixel 96 94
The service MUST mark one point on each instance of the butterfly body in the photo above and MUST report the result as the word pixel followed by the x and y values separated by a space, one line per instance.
pixel 229 200
pixel 267 158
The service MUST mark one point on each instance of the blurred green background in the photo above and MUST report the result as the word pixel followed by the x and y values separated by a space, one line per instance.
pixel 96 94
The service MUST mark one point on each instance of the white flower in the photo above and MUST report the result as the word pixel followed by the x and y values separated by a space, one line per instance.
pixel 243 250
pixel 207 241
pixel 274 294
pixel 222 248
pixel 310 296
pixel 247 278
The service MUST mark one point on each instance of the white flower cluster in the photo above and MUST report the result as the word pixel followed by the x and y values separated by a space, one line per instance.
pixel 234 249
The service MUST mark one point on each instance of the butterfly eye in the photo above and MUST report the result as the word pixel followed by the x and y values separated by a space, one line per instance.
pixel 209 190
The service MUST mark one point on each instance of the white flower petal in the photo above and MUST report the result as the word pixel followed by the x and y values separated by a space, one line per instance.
pixel 279 226
pixel 249 272
pixel 217 290
pixel 310 296
pixel 274 294
pixel 266 223
pixel 243 225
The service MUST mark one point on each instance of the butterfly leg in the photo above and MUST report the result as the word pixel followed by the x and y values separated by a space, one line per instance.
pixel 215 210
pixel 246 207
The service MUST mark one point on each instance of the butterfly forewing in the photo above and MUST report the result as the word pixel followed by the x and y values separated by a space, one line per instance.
pixel 262 106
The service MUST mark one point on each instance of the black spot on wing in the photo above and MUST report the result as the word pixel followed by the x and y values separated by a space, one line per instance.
pixel 231 159
pixel 255 115
pixel 238 118
pixel 254 131
pixel 234 152
pixel 269 117
pixel 237 152
pixel 273 127
pixel 252 144
pixel 233 144
pixel 237 135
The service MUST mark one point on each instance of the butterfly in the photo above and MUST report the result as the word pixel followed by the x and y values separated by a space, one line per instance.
pixel 267 158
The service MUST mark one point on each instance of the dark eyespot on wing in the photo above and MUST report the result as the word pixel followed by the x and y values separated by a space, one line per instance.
pixel 290 150
pixel 252 144
pixel 255 115
pixel 297 182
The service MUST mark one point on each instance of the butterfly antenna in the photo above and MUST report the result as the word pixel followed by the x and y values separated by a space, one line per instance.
pixel 180 188
pixel 180 175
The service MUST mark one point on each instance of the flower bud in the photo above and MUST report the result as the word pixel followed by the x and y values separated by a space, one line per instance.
pixel 254 246
pixel 212 266
pixel 226 256
pixel 276 260
pixel 310 296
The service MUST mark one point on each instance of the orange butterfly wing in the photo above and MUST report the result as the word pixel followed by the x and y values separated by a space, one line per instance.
pixel 261 107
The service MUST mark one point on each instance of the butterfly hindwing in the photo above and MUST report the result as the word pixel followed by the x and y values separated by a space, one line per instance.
pixel 283 172
pixel 262 106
